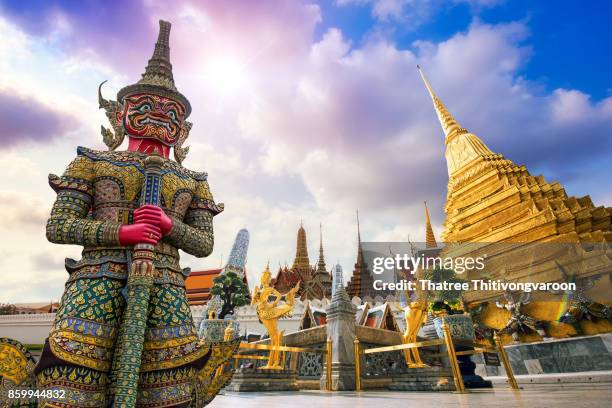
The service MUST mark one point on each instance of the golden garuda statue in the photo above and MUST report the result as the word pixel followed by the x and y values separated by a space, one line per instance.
pixel 267 302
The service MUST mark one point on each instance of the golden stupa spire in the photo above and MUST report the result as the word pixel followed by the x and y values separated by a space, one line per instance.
pixel 459 150
pixel 430 238
pixel 450 126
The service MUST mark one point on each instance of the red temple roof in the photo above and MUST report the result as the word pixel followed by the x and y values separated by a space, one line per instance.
pixel 198 285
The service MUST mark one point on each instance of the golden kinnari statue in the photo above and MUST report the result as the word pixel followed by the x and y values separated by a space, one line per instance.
pixel 267 301
pixel 415 314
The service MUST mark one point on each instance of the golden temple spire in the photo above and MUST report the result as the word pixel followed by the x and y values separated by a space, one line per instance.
pixel 359 248
pixel 301 262
pixel 321 263
pixel 430 238
pixel 361 282
pixel 459 150
pixel 450 126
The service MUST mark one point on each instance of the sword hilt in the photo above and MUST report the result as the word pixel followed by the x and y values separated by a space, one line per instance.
pixel 151 188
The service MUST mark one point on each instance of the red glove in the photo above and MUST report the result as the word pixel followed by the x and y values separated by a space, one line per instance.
pixel 151 214
pixel 139 233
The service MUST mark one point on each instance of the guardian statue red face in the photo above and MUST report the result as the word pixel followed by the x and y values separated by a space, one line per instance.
pixel 148 116
pixel 152 113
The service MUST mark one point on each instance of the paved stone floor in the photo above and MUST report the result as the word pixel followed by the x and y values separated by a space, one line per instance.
pixel 571 397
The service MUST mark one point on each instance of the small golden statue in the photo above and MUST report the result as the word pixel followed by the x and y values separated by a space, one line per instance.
pixel 415 314
pixel 269 309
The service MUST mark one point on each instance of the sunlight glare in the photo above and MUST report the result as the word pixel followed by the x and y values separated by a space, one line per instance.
pixel 226 75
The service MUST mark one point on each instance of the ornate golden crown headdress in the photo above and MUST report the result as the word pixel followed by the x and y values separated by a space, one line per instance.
pixel 158 78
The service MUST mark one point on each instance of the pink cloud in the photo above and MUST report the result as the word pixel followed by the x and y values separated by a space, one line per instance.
pixel 28 120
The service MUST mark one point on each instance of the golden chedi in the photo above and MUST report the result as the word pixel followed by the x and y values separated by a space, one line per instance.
pixel 491 200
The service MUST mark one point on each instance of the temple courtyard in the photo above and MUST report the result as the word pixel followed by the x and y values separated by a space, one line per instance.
pixel 533 397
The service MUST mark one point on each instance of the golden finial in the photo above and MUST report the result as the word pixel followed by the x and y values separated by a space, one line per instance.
pixel 430 239
pixel 450 126
pixel 427 85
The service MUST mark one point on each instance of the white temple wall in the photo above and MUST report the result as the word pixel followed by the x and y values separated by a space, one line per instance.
pixel 248 321
pixel 27 328
pixel 34 328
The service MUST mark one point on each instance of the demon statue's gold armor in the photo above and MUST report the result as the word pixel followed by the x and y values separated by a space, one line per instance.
pixel 267 301
pixel 100 205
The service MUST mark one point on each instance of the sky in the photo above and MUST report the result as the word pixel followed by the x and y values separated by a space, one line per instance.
pixel 303 111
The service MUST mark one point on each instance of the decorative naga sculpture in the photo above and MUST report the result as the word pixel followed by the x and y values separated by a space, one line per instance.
pixel 124 334
pixel 267 301
pixel 415 314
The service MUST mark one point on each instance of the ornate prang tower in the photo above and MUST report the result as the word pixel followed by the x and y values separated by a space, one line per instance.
pixel 361 282
pixel 237 259
pixel 301 263
pixel 338 279
pixel 236 263
pixel 491 199
pixel 320 285
pixel 299 272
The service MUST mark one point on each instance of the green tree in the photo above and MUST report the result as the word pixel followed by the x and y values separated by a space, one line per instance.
pixel 232 290
pixel 7 309
pixel 445 298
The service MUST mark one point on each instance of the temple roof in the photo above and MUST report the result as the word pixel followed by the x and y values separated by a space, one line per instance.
pixel 198 285
pixel 285 279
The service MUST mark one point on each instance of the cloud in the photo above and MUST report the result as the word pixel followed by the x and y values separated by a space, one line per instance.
pixel 13 166
pixel 47 262
pixel 23 210
pixel 358 127
pixel 487 95
pixel 40 279
pixel 413 12
pixel 33 267
pixel 293 126
pixel 25 119
pixel 125 39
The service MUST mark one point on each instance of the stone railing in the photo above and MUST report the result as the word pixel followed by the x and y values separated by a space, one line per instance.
pixel 310 365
